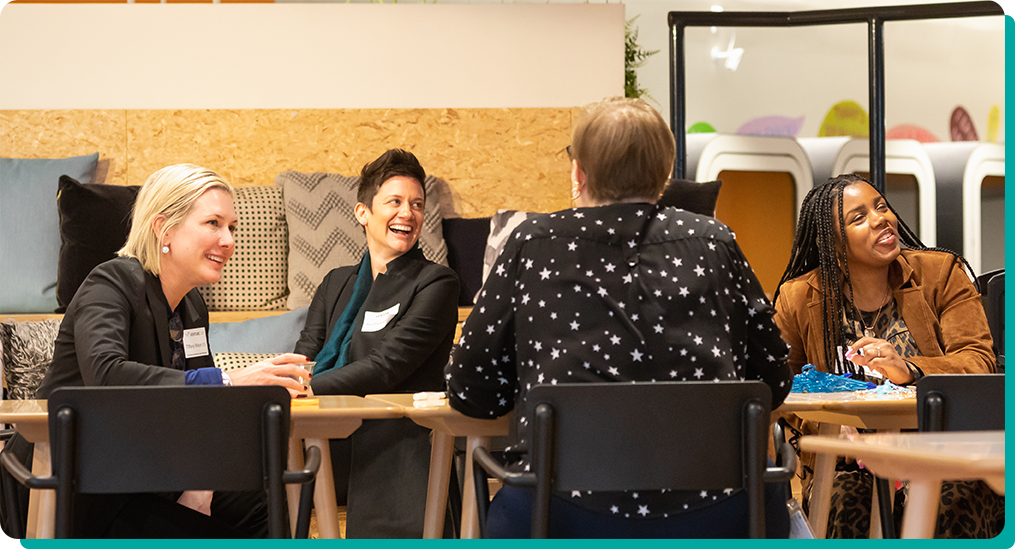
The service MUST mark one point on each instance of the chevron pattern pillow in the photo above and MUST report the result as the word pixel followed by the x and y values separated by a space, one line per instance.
pixel 323 233
pixel 255 277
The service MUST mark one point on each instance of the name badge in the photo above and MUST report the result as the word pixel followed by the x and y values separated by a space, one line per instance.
pixel 375 321
pixel 195 343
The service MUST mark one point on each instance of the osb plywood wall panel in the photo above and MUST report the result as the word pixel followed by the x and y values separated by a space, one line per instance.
pixel 56 134
pixel 490 158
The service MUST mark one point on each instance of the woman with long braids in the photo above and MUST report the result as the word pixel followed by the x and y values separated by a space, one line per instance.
pixel 851 295
pixel 849 285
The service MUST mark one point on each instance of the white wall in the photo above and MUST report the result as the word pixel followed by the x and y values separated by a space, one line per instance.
pixel 269 56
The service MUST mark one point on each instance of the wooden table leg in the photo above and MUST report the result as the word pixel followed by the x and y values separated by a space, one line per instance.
pixel 923 501
pixel 293 490
pixel 324 502
pixel 42 503
pixel 825 468
pixel 442 447
pixel 469 527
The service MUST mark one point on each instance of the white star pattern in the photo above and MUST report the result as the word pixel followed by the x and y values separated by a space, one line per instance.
pixel 647 304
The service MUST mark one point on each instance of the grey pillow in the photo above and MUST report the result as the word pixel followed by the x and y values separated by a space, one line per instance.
pixel 29 229
pixel 256 276
pixel 323 233
pixel 27 352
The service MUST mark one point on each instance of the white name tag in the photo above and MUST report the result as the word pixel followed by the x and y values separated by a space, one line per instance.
pixel 375 321
pixel 195 343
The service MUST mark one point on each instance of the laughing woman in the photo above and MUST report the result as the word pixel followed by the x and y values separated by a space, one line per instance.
pixel 903 312
pixel 385 325
pixel 124 327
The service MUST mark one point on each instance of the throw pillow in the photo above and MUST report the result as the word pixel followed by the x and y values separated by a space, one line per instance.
pixel 466 239
pixel 29 231
pixel 231 361
pixel 323 233
pixel 27 352
pixel 94 224
pixel 256 276
pixel 502 225
pixel 697 197
pixel 267 334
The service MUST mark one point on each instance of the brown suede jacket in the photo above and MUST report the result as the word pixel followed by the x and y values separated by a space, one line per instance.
pixel 940 306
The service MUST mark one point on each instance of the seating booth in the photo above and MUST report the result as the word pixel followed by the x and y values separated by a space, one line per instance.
pixel 970 200
pixel 764 179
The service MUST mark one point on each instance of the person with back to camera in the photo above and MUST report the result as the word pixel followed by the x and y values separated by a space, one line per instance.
pixel 385 325
pixel 901 312
pixel 125 326
pixel 620 289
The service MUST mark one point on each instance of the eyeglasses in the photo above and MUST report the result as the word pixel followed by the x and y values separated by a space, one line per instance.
pixel 569 152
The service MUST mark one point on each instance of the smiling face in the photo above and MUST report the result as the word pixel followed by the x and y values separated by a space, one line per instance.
pixel 393 220
pixel 201 245
pixel 870 226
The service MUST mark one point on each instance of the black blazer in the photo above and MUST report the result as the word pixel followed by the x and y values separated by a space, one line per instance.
pixel 115 332
pixel 407 354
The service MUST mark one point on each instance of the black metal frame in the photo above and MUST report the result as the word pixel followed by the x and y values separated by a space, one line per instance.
pixel 874 17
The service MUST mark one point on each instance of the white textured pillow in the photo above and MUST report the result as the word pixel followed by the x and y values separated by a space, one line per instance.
pixel 502 225
pixel 256 276
pixel 323 233
pixel 233 361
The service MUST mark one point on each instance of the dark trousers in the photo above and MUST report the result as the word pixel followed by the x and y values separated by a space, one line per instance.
pixel 510 512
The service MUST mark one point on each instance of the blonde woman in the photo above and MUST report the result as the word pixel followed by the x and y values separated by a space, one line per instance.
pixel 127 324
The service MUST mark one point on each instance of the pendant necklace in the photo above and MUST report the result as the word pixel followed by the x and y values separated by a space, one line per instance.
pixel 871 331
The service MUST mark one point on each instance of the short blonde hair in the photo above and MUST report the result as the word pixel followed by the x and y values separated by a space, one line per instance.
pixel 625 148
pixel 170 192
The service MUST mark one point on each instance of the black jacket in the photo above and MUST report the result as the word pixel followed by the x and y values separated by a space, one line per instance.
pixel 409 353
pixel 115 333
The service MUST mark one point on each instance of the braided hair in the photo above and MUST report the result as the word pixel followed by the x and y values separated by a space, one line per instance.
pixel 816 246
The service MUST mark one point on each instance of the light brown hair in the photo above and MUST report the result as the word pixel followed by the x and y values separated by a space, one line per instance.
pixel 625 148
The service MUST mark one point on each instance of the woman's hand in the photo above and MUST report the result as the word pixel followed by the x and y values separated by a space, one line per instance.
pixel 281 370
pixel 880 355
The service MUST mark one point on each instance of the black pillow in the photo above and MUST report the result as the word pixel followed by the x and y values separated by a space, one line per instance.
pixel 697 197
pixel 466 239
pixel 94 224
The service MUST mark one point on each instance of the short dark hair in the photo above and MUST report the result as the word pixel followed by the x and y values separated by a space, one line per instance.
pixel 394 163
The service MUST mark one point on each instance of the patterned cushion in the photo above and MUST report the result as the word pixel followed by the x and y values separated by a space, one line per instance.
pixel 255 278
pixel 27 352
pixel 502 225
pixel 233 361
pixel 324 233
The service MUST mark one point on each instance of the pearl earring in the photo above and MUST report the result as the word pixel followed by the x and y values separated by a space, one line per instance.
pixel 166 249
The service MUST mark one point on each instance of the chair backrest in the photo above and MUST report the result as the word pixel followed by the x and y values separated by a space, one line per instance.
pixel 171 438
pixel 993 302
pixel 961 402
pixel 663 435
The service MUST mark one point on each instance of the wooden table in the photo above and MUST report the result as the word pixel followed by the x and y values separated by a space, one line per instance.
pixel 447 424
pixel 858 409
pixel 925 460
pixel 316 420
pixel 30 418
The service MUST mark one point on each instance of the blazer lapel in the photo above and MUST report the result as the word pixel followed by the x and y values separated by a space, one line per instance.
pixel 158 308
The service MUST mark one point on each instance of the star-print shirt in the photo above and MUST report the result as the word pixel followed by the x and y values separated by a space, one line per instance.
pixel 618 293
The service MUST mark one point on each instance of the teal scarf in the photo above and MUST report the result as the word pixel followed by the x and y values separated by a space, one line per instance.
pixel 335 352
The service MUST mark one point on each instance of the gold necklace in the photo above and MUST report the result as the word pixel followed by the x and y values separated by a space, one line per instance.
pixel 871 331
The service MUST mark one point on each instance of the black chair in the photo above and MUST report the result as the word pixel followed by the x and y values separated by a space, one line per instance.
pixel 961 403
pixel 993 301
pixel 150 439
pixel 662 435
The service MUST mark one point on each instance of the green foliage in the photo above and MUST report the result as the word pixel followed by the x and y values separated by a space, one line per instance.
pixel 635 57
